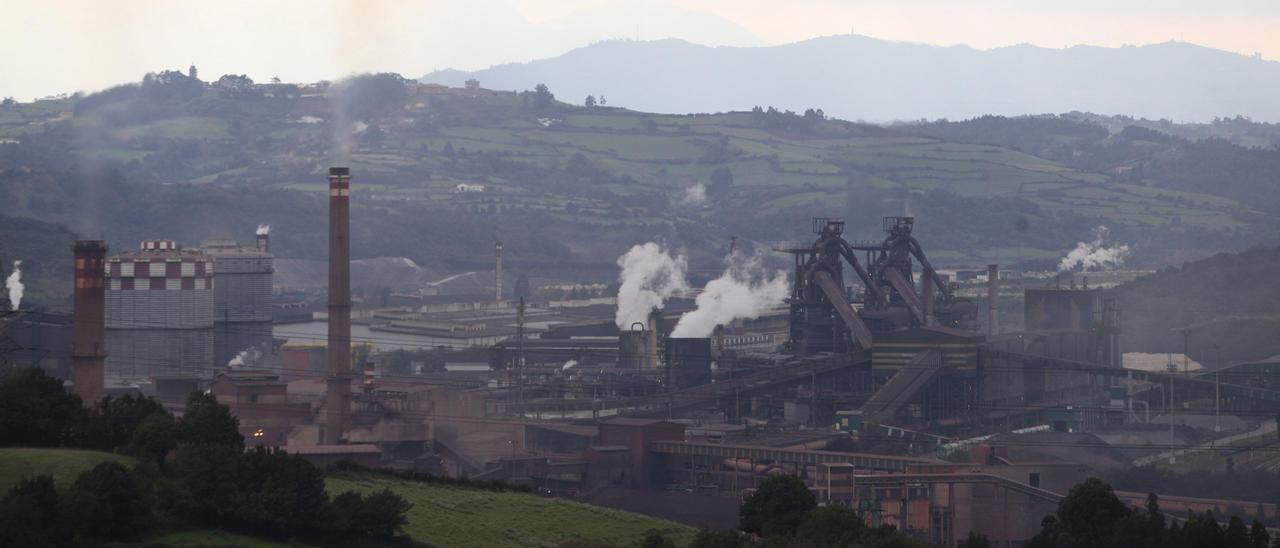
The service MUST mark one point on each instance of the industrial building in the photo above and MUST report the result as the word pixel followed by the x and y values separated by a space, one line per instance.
pixel 242 301
pixel 873 369
pixel 159 312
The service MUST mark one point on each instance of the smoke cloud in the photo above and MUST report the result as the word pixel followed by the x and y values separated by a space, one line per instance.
pixel 649 277
pixel 246 358
pixel 568 365
pixel 14 284
pixel 1094 254
pixel 745 291
pixel 263 230
pixel 695 194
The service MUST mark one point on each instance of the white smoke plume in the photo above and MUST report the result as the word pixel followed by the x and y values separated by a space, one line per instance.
pixel 649 277
pixel 246 358
pixel 695 194
pixel 1094 254
pixel 569 365
pixel 263 230
pixel 14 284
pixel 745 291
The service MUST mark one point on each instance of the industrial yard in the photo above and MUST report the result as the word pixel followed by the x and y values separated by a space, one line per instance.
pixel 887 384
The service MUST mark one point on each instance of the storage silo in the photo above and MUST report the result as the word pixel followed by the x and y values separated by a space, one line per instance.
pixel 242 280
pixel 159 313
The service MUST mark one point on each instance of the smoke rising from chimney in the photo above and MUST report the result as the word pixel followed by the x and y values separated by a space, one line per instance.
pixel 14 284
pixel 649 277
pixel 247 357
pixel 1094 254
pixel 569 365
pixel 744 291
pixel 695 194
pixel 264 230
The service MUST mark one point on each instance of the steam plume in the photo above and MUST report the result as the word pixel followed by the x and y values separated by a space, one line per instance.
pixel 695 194
pixel 649 276
pixel 1094 254
pixel 745 290
pixel 263 230
pixel 14 285
pixel 568 365
pixel 245 358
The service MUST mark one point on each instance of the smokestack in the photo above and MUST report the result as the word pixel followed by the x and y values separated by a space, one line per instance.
pixel 88 351
pixel 338 386
pixel 993 278
pixel 497 250
pixel 264 243
pixel 928 290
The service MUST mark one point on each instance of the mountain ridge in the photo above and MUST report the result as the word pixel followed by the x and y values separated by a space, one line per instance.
pixel 907 81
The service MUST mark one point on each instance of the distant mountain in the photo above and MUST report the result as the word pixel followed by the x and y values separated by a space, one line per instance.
pixel 861 78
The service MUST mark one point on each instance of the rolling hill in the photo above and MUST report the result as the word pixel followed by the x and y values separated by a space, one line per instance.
pixel 568 189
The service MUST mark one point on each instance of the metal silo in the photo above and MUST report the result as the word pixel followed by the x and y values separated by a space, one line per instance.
pixel 159 313
pixel 242 279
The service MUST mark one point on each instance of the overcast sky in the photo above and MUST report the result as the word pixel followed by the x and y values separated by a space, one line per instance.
pixel 54 46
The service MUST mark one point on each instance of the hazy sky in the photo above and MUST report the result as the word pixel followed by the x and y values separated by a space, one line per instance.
pixel 52 46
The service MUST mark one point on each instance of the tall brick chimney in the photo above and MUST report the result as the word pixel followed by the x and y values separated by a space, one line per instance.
pixel 497 251
pixel 88 348
pixel 338 386
pixel 993 293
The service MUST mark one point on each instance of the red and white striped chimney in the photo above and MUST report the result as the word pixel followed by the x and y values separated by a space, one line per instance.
pixel 338 385
pixel 88 348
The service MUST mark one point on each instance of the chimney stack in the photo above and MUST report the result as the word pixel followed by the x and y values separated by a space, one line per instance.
pixel 264 243
pixel 338 385
pixel 993 278
pixel 88 351
pixel 497 249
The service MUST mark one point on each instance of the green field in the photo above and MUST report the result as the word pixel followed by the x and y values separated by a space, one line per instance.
pixel 207 538
pixel 449 516
pixel 63 464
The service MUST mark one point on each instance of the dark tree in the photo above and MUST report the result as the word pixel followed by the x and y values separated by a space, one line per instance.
pixel 975 540
pixel 36 411
pixel 721 182
pixel 278 494
pixel 154 438
pixel 1237 534
pixel 721 539
pixel 1090 512
pixel 383 514
pixel 1155 531
pixel 542 97
pixel 200 484
pixel 111 503
pixel 32 514
pixel 1258 536
pixel 777 507
pixel 830 526
pixel 590 101
pixel 655 539
pixel 114 421
pixel 207 422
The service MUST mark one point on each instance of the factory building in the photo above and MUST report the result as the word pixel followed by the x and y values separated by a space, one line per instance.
pixel 242 280
pixel 159 312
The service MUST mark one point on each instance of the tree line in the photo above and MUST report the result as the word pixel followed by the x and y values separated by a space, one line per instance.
pixel 192 471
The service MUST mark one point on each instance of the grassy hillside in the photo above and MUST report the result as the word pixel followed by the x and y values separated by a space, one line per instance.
pixel 449 516
pixel 570 188
pixel 63 464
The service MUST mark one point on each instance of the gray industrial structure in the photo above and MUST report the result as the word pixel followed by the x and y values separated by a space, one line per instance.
pixel 159 312
pixel 242 280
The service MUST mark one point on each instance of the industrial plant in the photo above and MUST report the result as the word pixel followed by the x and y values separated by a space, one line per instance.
pixel 885 383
